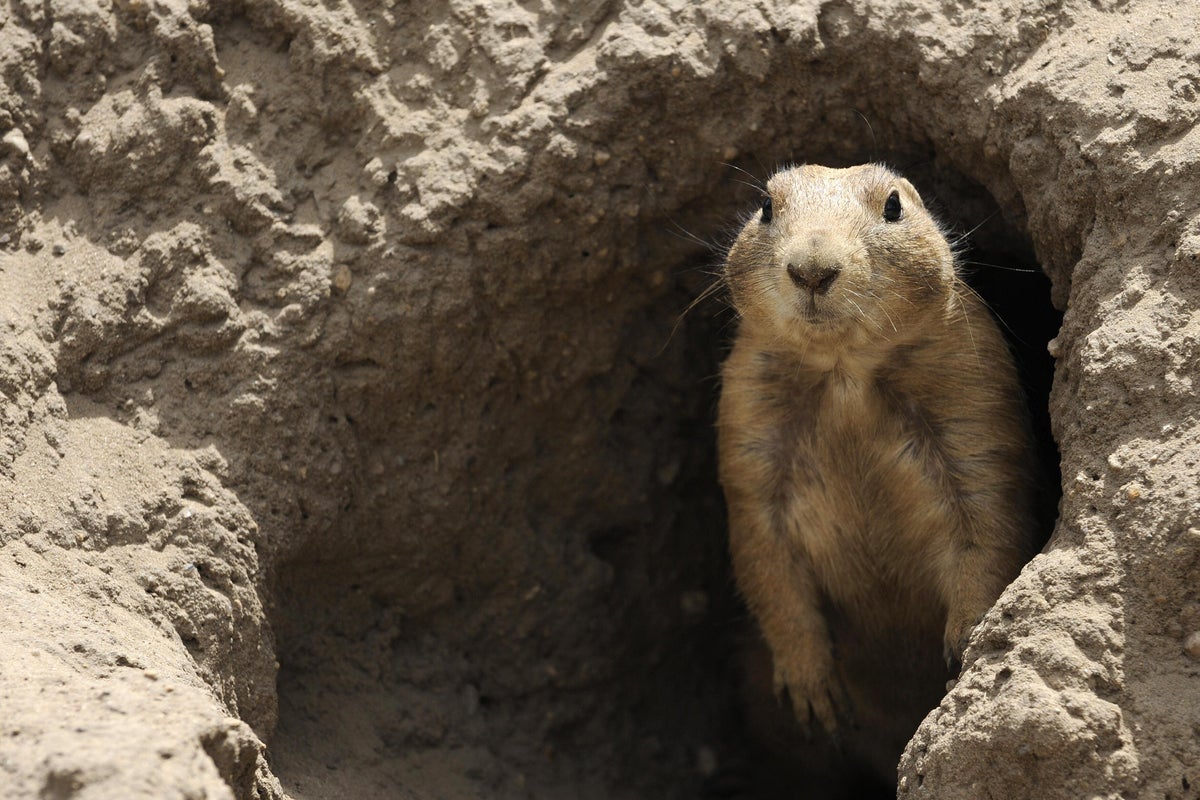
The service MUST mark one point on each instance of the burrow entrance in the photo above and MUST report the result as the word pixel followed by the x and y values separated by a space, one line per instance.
pixel 617 671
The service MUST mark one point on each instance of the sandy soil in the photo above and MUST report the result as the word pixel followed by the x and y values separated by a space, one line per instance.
pixel 351 444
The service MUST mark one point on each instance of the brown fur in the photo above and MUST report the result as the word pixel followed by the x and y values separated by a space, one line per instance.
pixel 873 448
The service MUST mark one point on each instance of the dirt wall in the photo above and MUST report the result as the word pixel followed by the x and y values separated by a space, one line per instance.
pixel 349 438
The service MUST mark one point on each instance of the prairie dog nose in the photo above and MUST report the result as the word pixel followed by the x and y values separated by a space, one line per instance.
pixel 815 265
pixel 816 277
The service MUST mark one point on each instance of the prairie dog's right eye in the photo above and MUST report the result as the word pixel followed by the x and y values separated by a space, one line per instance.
pixel 767 211
pixel 891 208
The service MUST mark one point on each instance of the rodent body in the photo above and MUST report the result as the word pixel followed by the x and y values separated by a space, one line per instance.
pixel 874 452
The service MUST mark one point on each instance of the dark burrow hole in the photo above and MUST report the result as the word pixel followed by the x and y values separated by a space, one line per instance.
pixel 375 701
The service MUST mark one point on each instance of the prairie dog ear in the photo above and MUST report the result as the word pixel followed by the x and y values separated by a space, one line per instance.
pixel 909 192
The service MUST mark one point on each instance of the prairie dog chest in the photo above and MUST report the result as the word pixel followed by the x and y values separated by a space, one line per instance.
pixel 851 474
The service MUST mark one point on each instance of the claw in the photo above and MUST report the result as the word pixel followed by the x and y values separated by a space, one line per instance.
pixel 806 717
pixel 821 703
pixel 845 705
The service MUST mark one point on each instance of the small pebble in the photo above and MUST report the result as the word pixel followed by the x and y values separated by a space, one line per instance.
pixel 1191 645
pixel 59 249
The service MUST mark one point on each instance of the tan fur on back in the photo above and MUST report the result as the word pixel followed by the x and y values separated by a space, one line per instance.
pixel 873 448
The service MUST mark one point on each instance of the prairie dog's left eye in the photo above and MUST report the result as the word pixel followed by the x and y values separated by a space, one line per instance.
pixel 768 212
pixel 891 209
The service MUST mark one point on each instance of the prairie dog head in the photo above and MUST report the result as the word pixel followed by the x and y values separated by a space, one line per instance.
pixel 844 255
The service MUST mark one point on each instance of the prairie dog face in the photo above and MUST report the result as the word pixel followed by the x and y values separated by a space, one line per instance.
pixel 839 253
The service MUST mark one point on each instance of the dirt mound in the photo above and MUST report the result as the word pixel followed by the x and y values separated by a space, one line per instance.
pixel 345 407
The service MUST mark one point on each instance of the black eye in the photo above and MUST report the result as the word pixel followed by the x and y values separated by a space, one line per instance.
pixel 891 209
pixel 768 212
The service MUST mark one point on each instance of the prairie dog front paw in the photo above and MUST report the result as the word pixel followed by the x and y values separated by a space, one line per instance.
pixel 957 635
pixel 815 689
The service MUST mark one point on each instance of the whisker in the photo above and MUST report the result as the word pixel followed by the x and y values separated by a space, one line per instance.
pixel 861 314
pixel 758 184
pixel 988 306
pixel 753 186
pixel 863 318
pixel 998 266
pixel 962 306
pixel 871 128
pixel 982 222
pixel 891 321
pixel 691 237
pixel 712 289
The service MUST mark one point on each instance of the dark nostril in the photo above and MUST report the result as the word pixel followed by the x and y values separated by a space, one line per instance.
pixel 824 279
pixel 796 275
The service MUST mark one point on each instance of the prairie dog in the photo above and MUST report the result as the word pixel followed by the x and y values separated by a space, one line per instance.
pixel 874 452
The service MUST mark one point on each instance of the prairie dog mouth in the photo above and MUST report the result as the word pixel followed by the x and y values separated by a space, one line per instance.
pixel 821 312
pixel 821 309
